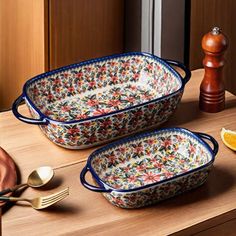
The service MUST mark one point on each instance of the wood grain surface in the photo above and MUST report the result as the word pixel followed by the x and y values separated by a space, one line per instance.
pixel 41 35
pixel 89 213
pixel 81 30
pixel 206 14
pixel 22 46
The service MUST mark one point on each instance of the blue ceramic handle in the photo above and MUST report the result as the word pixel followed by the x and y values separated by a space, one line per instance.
pixel 89 186
pixel 183 67
pixel 211 139
pixel 40 121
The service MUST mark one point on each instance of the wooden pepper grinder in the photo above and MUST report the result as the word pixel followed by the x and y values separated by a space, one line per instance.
pixel 212 90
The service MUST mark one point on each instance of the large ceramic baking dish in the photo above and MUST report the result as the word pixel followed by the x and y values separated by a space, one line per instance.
pixel 91 102
pixel 150 167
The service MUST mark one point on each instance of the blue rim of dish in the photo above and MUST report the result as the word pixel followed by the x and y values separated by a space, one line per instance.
pixel 92 61
pixel 102 184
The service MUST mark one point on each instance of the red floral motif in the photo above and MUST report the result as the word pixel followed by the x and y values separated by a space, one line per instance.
pixel 71 89
pixel 50 97
pixel 65 108
pixel 118 201
pixel 92 84
pixel 138 149
pixel 133 87
pixel 167 143
pixel 79 74
pixel 120 116
pixel 158 165
pixel 81 116
pixel 125 72
pixel 151 177
pixel 136 76
pixel 57 81
pixel 87 124
pixel 126 64
pixel 60 140
pixel 151 141
pixel 192 149
pixel 58 89
pixel 92 139
pixel 92 103
pixel 101 112
pixel 113 63
pixel 43 83
pixel 114 103
pixel 131 99
pixel 127 169
pixel 151 106
pixel 102 77
pixel 106 123
pixel 166 76
pixel 102 69
pixel 141 167
pixel 112 159
pixel 179 138
pixel 122 150
pixel 138 113
pixel 138 60
pixel 48 112
pixel 149 66
pixel 168 174
pixel 147 96
pixel 35 91
pixel 114 79
pixel 113 178
pixel 132 179
pixel 73 131
pixel 116 93
pixel 87 68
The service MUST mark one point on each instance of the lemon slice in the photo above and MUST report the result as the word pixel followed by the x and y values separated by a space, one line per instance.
pixel 229 138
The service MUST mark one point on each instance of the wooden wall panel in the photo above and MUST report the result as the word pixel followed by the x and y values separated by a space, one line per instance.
pixel 81 30
pixel 206 14
pixel 22 45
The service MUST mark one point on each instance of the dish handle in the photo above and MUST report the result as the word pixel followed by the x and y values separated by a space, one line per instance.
pixel 187 72
pixel 17 102
pixel 211 139
pixel 89 186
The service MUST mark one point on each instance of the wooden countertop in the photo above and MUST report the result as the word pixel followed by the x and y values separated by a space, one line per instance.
pixel 204 210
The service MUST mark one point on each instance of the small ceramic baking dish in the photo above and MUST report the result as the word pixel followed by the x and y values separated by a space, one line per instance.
pixel 99 100
pixel 147 168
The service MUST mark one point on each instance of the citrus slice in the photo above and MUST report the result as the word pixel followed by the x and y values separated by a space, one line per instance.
pixel 229 138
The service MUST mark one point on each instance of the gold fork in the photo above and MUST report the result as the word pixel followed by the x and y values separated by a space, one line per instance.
pixel 39 203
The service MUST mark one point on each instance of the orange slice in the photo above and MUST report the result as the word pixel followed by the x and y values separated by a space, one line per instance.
pixel 229 138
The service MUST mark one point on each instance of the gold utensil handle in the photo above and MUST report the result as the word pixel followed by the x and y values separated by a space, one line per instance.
pixel 9 190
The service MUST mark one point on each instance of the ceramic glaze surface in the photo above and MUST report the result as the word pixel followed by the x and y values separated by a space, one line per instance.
pixel 152 195
pixel 93 102
pixel 149 168
pixel 102 88
pixel 149 160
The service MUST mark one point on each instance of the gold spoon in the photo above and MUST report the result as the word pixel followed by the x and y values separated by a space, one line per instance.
pixel 38 178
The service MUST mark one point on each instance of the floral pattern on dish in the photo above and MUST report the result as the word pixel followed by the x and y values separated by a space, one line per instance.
pixel 90 103
pixel 149 160
pixel 150 167
pixel 102 88
pixel 158 193
pixel 90 133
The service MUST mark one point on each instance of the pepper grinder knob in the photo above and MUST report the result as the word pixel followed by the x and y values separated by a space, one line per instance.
pixel 212 90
